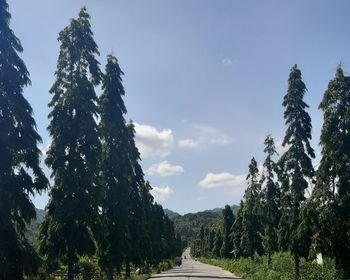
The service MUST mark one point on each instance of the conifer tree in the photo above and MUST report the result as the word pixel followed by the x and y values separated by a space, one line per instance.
pixel 236 232
pixel 217 243
pixel 20 173
pixel 284 232
pixel 332 192
pixel 271 199
pixel 206 246
pixel 251 241
pixel 296 160
pixel 147 206
pixel 67 230
pixel 228 220
pixel 115 169
pixel 137 228
pixel 211 241
pixel 202 239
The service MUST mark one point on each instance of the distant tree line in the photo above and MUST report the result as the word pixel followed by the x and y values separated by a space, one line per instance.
pixel 289 204
pixel 100 205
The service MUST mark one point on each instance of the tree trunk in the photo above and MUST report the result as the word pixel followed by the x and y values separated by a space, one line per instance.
pixel 127 269
pixel 70 272
pixel 297 267
pixel 110 272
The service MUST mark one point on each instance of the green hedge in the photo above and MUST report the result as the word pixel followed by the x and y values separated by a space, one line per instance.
pixel 282 268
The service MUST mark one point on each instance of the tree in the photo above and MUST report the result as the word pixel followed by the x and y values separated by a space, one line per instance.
pixel 331 195
pixel 217 243
pixel 296 161
pixel 236 232
pixel 71 219
pixel 115 169
pixel 211 241
pixel 228 220
pixel 271 199
pixel 251 242
pixel 139 203
pixel 20 173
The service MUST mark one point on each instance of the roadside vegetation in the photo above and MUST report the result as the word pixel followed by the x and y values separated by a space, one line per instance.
pixel 101 220
pixel 293 209
pixel 281 268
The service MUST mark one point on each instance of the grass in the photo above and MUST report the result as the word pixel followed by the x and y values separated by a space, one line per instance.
pixel 88 269
pixel 282 268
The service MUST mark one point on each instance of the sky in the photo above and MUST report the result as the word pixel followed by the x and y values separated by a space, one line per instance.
pixel 204 80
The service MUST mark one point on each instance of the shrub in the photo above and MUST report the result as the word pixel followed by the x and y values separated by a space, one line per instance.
pixel 282 268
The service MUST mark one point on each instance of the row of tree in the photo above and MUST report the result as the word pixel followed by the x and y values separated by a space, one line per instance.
pixel 99 203
pixel 288 205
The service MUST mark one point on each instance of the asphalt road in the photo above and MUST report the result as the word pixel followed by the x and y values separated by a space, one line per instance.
pixel 194 270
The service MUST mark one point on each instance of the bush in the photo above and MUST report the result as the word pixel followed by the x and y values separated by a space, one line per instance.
pixel 282 268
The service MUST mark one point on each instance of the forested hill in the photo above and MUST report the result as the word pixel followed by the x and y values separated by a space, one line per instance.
pixel 33 229
pixel 171 214
pixel 188 225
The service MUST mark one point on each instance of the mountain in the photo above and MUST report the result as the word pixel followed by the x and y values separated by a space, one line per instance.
pixel 33 229
pixel 171 214
pixel 189 225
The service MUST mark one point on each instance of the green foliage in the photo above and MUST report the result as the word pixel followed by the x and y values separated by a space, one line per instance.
pixel 236 233
pixel 281 268
pixel 252 229
pixel 188 226
pixel 71 219
pixel 171 214
pixel 270 199
pixel 331 197
pixel 216 250
pixel 296 165
pixel 228 220
pixel 116 167
pixel 32 231
pixel 20 173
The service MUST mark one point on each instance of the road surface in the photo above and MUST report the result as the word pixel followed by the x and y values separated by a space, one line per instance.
pixel 194 270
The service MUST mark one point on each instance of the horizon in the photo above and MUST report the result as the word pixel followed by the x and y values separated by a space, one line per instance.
pixel 191 71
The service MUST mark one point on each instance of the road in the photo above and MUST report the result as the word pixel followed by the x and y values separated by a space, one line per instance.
pixel 194 270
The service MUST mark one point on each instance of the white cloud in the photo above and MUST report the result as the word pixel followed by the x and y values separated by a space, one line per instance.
pixel 152 142
pixel 164 169
pixel 161 194
pixel 189 143
pixel 225 179
pixel 279 147
pixel 204 135
pixel 212 135
pixel 45 149
pixel 226 61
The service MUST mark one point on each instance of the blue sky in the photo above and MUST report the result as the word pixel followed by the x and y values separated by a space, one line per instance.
pixel 204 79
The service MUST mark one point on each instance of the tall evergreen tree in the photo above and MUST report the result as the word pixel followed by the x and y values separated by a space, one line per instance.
pixel 147 206
pixel 115 169
pixel 296 160
pixel 236 232
pixel 67 230
pixel 211 241
pixel 251 241
pixel 332 191
pixel 217 243
pixel 138 234
pixel 20 173
pixel 228 220
pixel 271 196
pixel 202 239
